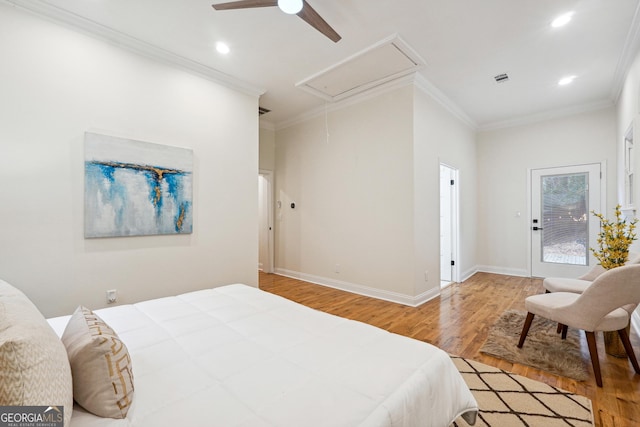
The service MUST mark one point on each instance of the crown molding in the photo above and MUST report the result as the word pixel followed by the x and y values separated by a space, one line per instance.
pixel 430 89
pixel 403 78
pixel 104 33
pixel 547 115
pixel 415 79
pixel 372 92
pixel 629 52
pixel 423 84
pixel 86 26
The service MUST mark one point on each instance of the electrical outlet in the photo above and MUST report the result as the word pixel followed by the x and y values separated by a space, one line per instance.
pixel 112 296
pixel 337 269
pixel 426 275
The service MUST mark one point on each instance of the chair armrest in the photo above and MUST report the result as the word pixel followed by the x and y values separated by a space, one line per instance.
pixel 562 284
pixel 594 272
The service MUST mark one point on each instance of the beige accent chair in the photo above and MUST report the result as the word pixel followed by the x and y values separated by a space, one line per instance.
pixel 597 308
pixel 577 286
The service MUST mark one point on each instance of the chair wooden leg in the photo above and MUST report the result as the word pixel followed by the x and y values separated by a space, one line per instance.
pixel 525 329
pixel 624 337
pixel 564 332
pixel 559 328
pixel 593 351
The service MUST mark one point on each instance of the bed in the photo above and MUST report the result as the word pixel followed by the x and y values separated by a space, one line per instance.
pixel 238 356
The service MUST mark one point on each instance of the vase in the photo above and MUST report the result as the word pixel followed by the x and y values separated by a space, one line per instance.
pixel 613 344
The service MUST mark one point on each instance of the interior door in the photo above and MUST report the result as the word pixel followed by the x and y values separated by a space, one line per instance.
pixel 562 226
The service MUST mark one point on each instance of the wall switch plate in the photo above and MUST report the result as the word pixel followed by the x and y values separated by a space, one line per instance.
pixel 112 296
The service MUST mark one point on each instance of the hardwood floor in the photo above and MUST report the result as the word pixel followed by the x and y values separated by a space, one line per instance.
pixel 458 320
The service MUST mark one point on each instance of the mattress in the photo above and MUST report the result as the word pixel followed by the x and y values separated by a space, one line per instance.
pixel 239 356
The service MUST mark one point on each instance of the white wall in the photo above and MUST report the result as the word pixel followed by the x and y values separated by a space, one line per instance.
pixel 55 84
pixel 441 138
pixel 267 149
pixel 353 187
pixel 628 107
pixel 367 195
pixel 505 155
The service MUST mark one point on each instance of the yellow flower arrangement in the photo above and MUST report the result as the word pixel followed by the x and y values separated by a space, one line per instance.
pixel 614 240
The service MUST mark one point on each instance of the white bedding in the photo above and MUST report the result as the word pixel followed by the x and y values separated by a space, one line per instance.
pixel 238 356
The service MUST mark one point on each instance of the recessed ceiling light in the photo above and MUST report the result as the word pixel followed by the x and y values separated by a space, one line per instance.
pixel 562 20
pixel 566 80
pixel 222 48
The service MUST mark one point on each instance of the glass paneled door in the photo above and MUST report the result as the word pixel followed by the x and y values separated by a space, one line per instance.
pixel 562 226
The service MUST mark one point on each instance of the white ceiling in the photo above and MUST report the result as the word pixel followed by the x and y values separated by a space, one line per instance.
pixel 464 44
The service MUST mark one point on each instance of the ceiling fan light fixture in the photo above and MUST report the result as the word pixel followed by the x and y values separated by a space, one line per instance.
pixel 290 6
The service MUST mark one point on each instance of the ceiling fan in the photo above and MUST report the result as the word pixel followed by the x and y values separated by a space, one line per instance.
pixel 293 7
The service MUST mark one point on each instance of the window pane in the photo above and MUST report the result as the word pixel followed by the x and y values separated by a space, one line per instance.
pixel 565 219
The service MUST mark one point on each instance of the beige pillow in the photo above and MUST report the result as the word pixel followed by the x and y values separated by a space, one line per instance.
pixel 100 363
pixel 34 369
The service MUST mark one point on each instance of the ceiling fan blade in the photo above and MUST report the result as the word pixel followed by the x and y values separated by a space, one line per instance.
pixel 244 4
pixel 312 18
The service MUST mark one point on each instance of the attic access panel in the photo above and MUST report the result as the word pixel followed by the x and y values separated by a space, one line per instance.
pixel 381 63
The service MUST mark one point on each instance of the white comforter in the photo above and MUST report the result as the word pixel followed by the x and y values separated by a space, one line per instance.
pixel 238 356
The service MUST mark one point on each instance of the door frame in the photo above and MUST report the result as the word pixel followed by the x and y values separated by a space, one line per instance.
pixel 270 267
pixel 603 202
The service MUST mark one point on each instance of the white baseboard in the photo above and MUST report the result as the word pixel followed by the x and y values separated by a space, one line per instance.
pixel 502 270
pixel 468 273
pixel 414 301
pixel 396 297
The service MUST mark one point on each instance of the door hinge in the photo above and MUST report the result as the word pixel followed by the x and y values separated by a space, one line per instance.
pixel 452 182
pixel 453 262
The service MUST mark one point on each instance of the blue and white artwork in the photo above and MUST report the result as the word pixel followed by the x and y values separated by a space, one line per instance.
pixel 135 188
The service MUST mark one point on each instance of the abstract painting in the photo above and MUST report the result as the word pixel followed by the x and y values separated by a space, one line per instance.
pixel 135 188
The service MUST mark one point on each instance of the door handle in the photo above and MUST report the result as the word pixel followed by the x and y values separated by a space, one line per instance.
pixel 536 228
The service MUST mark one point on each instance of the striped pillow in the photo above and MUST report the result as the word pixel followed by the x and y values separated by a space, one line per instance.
pixel 34 369
pixel 100 365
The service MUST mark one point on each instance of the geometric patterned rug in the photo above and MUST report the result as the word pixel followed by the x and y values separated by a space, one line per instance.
pixel 506 399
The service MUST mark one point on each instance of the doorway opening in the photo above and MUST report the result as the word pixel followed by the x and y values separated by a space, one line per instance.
pixel 448 225
pixel 265 222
